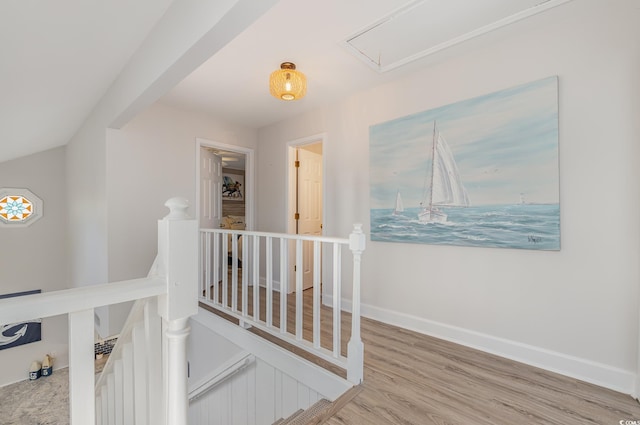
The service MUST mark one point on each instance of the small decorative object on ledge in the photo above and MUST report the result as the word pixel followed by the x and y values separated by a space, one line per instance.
pixel 47 366
pixel 35 371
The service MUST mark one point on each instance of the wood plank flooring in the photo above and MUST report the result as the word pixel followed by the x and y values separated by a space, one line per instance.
pixel 414 379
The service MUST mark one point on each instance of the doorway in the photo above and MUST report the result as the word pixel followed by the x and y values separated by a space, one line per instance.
pixel 305 212
pixel 218 203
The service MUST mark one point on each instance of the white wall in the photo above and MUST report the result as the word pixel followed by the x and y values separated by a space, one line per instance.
pixel 35 257
pixel 574 311
pixel 150 160
pixel 190 32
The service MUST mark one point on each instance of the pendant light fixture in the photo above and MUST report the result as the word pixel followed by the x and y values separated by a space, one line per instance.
pixel 288 84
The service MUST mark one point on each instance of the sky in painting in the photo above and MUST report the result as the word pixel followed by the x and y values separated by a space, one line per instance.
pixel 505 144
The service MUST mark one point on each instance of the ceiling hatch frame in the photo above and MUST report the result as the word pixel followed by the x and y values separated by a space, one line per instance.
pixel 413 7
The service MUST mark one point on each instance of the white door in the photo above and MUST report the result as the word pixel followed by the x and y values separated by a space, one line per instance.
pixel 210 189
pixel 309 206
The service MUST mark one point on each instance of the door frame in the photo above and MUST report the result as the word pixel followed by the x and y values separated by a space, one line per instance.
pixel 249 176
pixel 290 184
pixel 290 222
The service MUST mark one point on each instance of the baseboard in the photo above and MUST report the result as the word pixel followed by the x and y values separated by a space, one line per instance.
pixel 275 284
pixel 585 370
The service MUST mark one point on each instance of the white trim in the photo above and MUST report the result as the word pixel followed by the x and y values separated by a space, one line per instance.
pixel 539 8
pixel 249 176
pixel 575 367
pixel 275 284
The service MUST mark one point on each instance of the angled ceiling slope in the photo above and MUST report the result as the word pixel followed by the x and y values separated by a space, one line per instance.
pixel 424 27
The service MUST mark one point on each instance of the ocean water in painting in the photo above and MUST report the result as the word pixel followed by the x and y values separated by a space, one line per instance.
pixel 525 226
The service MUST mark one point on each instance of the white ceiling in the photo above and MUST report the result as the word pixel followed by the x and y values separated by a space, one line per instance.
pixel 233 85
pixel 58 59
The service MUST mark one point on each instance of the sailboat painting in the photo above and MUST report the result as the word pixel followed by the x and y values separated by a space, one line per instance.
pixel 481 172
pixel 399 209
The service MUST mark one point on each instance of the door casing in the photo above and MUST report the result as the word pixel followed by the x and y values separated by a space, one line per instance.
pixel 292 146
pixel 249 179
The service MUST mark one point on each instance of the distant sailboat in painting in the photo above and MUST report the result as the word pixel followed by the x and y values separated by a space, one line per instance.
pixel 445 186
pixel 399 207
pixel 523 201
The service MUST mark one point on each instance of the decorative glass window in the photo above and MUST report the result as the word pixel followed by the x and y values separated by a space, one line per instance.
pixel 19 207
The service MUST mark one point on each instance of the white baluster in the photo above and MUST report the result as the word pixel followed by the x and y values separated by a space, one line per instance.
pixel 153 342
pixel 208 277
pixel 256 278
pixel 299 286
pixel 217 267
pixel 105 405
pixel 225 270
pixel 284 277
pixel 99 410
pixel 355 348
pixel 234 272
pixel 316 293
pixel 140 374
pixel 118 387
pixel 81 368
pixel 245 280
pixel 337 299
pixel 269 283
pixel 111 398
pixel 127 383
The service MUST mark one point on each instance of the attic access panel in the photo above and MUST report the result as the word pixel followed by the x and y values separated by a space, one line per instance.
pixel 423 27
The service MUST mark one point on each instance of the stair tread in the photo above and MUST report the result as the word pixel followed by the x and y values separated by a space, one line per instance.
pixel 302 417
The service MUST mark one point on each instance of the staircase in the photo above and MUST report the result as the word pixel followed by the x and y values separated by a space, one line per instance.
pixel 145 380
pixel 309 416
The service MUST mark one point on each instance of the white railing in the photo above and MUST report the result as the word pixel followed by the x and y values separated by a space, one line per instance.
pixel 234 265
pixel 170 298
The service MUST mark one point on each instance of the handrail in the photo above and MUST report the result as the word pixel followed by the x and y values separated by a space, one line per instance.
pixel 64 301
pixel 327 239
pixel 221 374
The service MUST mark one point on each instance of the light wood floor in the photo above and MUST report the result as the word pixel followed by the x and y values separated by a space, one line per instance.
pixel 415 379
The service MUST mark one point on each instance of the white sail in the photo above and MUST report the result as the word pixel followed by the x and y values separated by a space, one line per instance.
pixel 446 188
pixel 399 206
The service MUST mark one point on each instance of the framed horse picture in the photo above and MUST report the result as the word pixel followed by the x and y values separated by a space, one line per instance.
pixel 232 187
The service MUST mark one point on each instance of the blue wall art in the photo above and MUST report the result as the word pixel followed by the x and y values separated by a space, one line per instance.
pixel 480 172
pixel 15 334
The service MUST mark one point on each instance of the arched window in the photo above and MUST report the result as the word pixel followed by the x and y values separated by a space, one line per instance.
pixel 19 207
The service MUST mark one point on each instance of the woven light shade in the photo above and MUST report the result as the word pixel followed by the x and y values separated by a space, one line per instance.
pixel 287 83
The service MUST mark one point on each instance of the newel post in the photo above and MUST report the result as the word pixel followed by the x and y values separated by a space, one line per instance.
pixel 178 263
pixel 355 348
